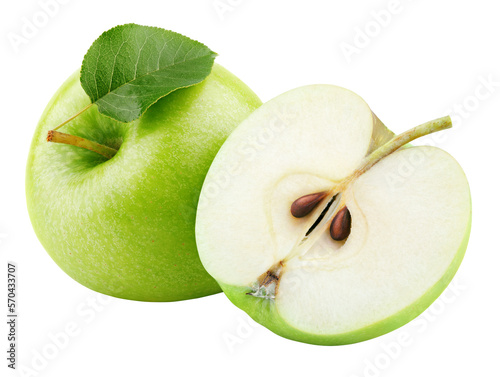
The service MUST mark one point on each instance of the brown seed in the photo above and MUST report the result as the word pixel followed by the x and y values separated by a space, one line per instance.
pixel 305 204
pixel 341 225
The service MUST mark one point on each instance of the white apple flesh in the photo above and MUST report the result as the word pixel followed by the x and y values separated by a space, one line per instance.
pixel 411 216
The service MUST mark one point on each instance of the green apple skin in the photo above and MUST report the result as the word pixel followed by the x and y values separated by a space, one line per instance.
pixel 265 313
pixel 125 227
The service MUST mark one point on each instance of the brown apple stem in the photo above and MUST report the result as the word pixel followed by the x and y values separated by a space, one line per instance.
pixel 59 137
pixel 74 116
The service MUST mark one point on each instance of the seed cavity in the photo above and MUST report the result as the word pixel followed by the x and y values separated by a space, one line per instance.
pixel 304 205
pixel 321 216
pixel 341 225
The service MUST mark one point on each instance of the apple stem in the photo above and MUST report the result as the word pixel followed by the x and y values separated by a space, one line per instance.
pixel 400 140
pixel 73 117
pixel 335 205
pixel 59 137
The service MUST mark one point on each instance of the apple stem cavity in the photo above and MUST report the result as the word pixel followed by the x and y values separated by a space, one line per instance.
pixel 55 136
pixel 77 141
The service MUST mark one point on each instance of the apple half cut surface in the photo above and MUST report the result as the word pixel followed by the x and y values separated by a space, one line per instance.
pixel 325 227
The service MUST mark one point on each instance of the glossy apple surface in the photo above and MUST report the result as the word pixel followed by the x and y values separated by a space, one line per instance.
pixel 125 226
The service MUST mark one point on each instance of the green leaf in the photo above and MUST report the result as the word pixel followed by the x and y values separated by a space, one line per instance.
pixel 130 67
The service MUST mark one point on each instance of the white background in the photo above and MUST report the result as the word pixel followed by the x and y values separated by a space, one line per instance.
pixel 428 59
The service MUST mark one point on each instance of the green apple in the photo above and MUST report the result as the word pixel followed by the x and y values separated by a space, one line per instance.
pixel 328 231
pixel 125 226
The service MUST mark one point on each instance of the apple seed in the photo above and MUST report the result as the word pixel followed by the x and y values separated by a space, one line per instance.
pixel 341 225
pixel 305 204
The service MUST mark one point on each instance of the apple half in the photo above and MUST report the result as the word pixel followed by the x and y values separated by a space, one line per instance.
pixel 406 212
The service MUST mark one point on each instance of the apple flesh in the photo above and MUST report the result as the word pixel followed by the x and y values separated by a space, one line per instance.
pixel 408 233
pixel 125 226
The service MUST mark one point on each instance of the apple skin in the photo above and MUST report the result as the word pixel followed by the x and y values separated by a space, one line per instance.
pixel 125 227
pixel 264 311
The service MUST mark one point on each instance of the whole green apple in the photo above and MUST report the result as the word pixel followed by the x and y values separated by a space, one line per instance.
pixel 125 226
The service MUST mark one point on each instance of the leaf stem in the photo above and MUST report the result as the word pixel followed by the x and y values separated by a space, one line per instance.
pixel 59 137
pixel 74 116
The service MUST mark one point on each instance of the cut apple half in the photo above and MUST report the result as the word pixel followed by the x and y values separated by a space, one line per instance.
pixel 325 227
